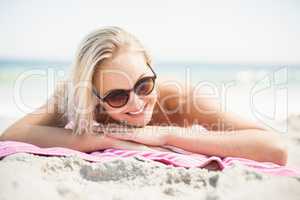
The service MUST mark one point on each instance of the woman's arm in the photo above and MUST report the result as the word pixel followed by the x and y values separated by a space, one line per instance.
pixel 47 136
pixel 42 128
pixel 228 134
pixel 252 144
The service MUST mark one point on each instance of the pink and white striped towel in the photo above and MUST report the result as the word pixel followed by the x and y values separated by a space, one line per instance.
pixel 168 158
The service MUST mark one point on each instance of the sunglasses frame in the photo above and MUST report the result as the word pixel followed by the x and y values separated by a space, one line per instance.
pixel 129 90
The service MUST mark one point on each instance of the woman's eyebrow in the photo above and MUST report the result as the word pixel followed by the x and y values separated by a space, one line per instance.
pixel 141 76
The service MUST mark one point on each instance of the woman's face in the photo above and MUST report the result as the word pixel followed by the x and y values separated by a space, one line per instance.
pixel 122 71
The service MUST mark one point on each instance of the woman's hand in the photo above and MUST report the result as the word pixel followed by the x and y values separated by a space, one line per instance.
pixel 121 144
pixel 101 142
pixel 149 135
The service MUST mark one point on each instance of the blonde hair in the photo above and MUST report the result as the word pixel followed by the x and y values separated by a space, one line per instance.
pixel 78 99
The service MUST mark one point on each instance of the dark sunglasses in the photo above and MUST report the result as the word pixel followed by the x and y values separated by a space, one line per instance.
pixel 119 97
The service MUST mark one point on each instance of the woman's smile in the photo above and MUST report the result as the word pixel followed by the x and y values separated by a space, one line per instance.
pixel 139 112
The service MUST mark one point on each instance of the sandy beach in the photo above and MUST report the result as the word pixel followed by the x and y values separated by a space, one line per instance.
pixel 27 176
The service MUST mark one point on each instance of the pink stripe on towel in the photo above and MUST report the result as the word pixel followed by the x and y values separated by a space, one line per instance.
pixel 169 158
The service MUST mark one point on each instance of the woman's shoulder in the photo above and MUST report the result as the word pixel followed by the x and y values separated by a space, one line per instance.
pixel 171 94
pixel 170 102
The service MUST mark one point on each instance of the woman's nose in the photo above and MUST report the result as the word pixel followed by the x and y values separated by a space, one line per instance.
pixel 136 101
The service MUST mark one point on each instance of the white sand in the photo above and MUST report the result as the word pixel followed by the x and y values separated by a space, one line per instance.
pixel 26 176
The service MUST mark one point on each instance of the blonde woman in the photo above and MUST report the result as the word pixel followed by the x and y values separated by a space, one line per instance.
pixel 113 82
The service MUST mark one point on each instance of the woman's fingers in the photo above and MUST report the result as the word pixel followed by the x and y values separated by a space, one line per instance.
pixel 113 129
pixel 122 144
pixel 110 142
pixel 98 129
pixel 122 135
pixel 147 135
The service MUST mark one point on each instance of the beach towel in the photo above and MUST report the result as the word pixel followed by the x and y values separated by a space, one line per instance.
pixel 168 158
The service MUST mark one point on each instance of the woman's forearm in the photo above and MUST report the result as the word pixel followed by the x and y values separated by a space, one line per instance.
pixel 48 136
pixel 252 144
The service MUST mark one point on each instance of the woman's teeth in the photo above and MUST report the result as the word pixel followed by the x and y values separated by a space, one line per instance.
pixel 137 112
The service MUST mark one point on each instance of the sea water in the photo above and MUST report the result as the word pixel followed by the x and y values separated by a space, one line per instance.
pixel 263 92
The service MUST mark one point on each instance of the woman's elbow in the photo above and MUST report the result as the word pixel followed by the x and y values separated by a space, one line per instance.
pixel 278 150
pixel 280 154
pixel 271 147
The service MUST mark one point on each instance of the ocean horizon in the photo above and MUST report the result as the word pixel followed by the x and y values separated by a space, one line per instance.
pixel 42 76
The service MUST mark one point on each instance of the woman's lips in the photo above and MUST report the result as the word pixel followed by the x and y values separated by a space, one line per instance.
pixel 139 112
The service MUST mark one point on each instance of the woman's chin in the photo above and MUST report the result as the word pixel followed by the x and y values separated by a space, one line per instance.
pixel 140 121
pixel 136 119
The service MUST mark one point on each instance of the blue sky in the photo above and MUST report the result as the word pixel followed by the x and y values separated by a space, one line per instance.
pixel 205 31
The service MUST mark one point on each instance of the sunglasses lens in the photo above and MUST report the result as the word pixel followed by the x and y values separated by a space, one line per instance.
pixel 144 86
pixel 117 98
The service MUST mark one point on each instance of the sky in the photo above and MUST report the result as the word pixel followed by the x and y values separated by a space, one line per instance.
pixel 231 31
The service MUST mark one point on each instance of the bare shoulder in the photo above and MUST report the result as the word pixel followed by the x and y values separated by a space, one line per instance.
pixel 188 105
pixel 171 97
pixel 184 106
